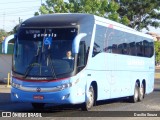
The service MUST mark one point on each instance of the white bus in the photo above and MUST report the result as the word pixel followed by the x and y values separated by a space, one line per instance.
pixel 109 60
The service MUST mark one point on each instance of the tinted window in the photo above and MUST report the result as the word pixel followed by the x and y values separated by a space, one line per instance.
pixel 133 48
pixel 139 46
pixel 118 42
pixel 99 40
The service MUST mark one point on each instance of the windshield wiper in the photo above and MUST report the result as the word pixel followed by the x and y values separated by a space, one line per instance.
pixel 32 64
pixel 52 67
pixel 29 68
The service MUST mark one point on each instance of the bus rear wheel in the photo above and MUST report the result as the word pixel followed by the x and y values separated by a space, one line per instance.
pixel 90 99
pixel 135 97
pixel 141 93
pixel 38 105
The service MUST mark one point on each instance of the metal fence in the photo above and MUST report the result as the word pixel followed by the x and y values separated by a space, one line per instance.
pixel 10 48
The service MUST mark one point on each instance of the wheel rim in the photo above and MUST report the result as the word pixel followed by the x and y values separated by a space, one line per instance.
pixel 90 100
pixel 136 93
pixel 141 91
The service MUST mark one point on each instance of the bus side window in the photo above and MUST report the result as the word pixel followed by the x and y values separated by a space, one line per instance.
pixel 114 48
pixel 96 49
pixel 132 48
pixel 126 49
pixel 140 50
pixel 120 48
pixel 146 48
pixel 99 43
pixel 82 54
pixel 151 49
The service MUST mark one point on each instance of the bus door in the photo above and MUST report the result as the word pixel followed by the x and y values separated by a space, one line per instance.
pixel 114 83
pixel 111 62
pixel 110 70
pixel 98 63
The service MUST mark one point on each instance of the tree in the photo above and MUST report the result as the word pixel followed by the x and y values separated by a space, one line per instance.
pixel 140 13
pixel 3 34
pixel 157 51
pixel 101 8
pixel 137 14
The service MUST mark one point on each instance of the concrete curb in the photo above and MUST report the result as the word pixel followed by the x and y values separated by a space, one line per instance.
pixel 4 86
pixel 5 89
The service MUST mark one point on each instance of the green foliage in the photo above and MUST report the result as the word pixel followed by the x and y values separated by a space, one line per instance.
pixel 114 16
pixel 140 13
pixel 101 8
pixel 3 34
pixel 125 20
pixel 137 14
pixel 157 51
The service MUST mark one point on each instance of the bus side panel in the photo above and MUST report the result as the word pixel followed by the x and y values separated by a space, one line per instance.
pixel 150 83
pixel 120 77
pixel 131 69
pixel 97 70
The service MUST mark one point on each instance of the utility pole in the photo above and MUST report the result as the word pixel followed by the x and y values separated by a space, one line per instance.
pixel 19 20
pixel 4 21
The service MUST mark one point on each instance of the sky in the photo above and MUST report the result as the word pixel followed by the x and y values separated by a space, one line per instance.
pixel 12 10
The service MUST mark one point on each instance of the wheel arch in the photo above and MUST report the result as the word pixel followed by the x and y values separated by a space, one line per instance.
pixel 138 82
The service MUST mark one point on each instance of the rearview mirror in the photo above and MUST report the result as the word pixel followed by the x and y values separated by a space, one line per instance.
pixel 5 43
pixel 76 42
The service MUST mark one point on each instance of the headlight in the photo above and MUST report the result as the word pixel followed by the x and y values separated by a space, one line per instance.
pixel 51 89
pixel 16 85
pixel 67 85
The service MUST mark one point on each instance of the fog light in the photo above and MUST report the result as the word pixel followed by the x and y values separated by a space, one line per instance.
pixel 65 96
pixel 15 95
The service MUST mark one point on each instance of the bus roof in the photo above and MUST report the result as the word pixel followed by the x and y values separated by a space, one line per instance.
pixel 69 19
pixel 122 27
pixel 61 19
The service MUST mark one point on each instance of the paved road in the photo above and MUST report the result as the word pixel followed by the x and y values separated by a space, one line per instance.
pixel 150 103
pixel 158 70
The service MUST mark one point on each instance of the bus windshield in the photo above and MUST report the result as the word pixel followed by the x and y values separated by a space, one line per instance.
pixel 44 52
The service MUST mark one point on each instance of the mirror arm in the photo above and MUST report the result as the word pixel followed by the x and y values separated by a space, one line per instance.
pixel 5 43
pixel 76 41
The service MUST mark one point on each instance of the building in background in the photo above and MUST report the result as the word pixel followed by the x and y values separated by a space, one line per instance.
pixel 5 62
pixel 155 35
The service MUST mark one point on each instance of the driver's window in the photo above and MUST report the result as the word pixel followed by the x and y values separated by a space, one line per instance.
pixel 81 54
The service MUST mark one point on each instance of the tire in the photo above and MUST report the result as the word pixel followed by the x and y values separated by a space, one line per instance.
pixel 135 97
pixel 141 92
pixel 38 105
pixel 90 100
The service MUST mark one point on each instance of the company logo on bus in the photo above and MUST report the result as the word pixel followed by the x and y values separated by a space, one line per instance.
pixel 38 89
pixel 38 78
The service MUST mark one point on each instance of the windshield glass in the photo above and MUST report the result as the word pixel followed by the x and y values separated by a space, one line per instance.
pixel 44 52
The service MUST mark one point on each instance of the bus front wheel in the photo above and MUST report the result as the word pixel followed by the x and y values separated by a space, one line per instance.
pixel 90 99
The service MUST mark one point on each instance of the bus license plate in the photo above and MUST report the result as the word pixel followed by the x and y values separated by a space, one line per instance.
pixel 39 97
